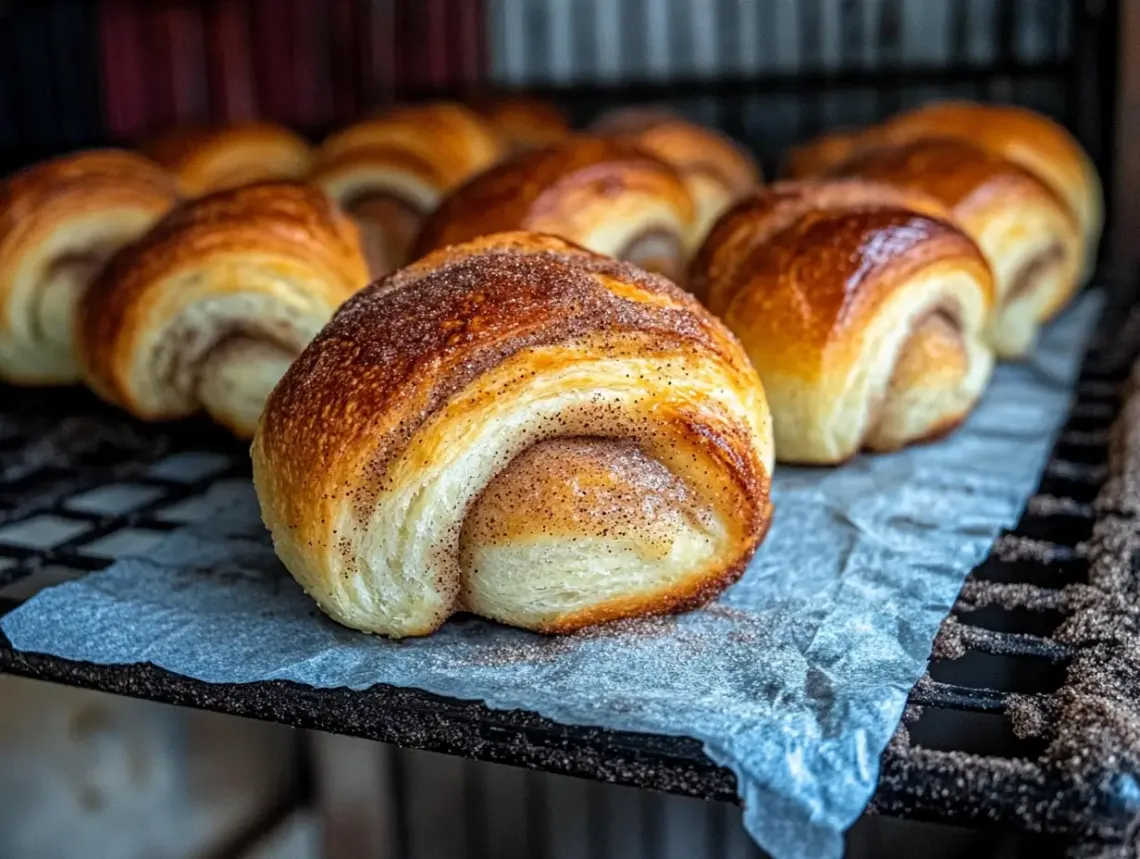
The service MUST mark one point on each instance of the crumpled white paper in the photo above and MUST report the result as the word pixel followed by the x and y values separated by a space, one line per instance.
pixel 795 678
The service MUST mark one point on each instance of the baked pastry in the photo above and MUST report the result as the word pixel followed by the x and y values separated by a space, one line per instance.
pixel 518 428
pixel 388 173
pixel 1029 235
pixel 214 159
pixel 862 307
pixel 207 311
pixel 1022 136
pixel 525 123
pixel 716 170
pixel 60 221
pixel 606 195
pixel 822 154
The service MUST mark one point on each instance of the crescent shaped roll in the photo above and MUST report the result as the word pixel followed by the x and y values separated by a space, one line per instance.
pixel 388 173
pixel 525 123
pixel 216 159
pixel 207 311
pixel 606 195
pixel 518 428
pixel 861 308
pixel 60 221
pixel 716 170
pixel 1023 136
pixel 1027 233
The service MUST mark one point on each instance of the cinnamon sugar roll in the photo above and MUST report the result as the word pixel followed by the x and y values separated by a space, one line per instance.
pixel 606 195
pixel 59 223
pixel 518 428
pixel 716 170
pixel 1023 136
pixel 389 172
pixel 862 307
pixel 206 160
pixel 1028 234
pixel 208 310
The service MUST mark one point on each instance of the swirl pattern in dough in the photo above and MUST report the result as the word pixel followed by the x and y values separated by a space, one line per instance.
pixel 60 221
pixel 862 308
pixel 1025 137
pixel 206 160
pixel 717 171
pixel 207 311
pixel 606 195
pixel 388 173
pixel 518 428
pixel 1027 232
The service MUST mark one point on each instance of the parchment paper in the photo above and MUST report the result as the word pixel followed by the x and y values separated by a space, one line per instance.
pixel 795 678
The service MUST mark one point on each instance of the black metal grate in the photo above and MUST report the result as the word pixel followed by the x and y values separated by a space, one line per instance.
pixel 1027 719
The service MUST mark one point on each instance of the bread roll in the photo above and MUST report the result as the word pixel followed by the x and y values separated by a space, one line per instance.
pixel 518 428
pixel 1022 136
pixel 1027 233
pixel 59 223
pixel 862 308
pixel 214 159
pixel 525 123
pixel 716 170
pixel 388 173
pixel 207 311
pixel 817 157
pixel 605 195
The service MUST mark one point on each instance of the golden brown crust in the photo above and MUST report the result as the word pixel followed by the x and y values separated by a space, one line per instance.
pixel 964 177
pixel 60 221
pixel 525 123
pixel 436 172
pixel 32 199
pixel 1026 138
pixel 755 219
pixel 389 172
pixel 276 218
pixel 844 259
pixel 861 306
pixel 209 159
pixel 692 149
pixel 377 390
pixel 822 154
pixel 560 189
pixel 461 309
pixel 453 139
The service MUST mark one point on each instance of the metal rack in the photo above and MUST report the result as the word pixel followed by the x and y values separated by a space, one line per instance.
pixel 1018 742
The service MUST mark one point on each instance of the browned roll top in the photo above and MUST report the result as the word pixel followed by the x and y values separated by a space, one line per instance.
pixel 525 123
pixel 741 244
pixel 253 270
pixel 607 195
pixel 60 220
pixel 207 159
pixel 959 174
pixel 483 371
pixel 861 306
pixel 691 148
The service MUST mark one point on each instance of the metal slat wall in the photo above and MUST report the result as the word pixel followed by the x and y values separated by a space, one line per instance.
pixel 76 72
pixel 609 42
pixel 773 72
pixel 48 94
